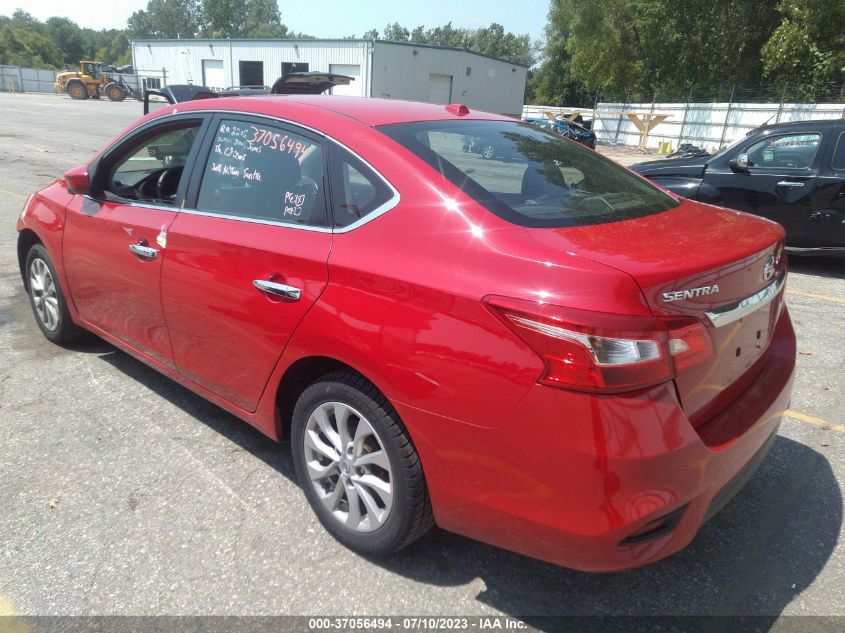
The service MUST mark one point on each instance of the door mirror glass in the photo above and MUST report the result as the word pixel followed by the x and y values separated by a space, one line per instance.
pixel 77 180
pixel 740 162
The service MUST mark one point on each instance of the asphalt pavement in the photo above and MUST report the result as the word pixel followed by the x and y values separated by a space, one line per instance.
pixel 122 493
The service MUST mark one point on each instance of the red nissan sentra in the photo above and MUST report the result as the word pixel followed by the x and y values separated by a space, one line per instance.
pixel 541 350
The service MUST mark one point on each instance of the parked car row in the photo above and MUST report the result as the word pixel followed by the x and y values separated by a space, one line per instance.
pixel 568 129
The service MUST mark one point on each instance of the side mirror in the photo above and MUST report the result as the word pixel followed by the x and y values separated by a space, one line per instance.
pixel 739 163
pixel 77 180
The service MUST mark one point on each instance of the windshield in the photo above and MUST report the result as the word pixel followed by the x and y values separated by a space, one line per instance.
pixel 529 176
pixel 729 147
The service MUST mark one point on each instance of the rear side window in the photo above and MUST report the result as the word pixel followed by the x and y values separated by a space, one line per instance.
pixel 356 190
pixel 838 161
pixel 263 172
pixel 529 176
pixel 792 151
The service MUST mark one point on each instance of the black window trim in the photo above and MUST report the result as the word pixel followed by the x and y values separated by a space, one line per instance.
pixel 189 201
pixel 789 133
pixel 383 208
pixel 840 140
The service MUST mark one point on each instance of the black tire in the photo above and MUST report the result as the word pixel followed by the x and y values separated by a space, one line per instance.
pixel 64 330
pixel 488 152
pixel 115 92
pixel 77 90
pixel 410 515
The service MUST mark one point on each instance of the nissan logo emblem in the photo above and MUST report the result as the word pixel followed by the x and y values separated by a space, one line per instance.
pixel 769 268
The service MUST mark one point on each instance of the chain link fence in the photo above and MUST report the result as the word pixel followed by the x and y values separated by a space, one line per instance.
pixel 710 117
pixel 20 79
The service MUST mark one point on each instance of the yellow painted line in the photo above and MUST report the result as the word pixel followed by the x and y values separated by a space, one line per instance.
pixel 6 608
pixel 815 295
pixel 12 193
pixel 10 622
pixel 810 419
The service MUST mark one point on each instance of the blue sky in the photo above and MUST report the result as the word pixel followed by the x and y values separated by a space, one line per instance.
pixel 325 18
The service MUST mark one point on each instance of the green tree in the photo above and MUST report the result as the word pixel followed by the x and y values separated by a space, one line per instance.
pixel 67 37
pixel 808 47
pixel 396 33
pixel 168 19
pixel 243 18
pixel 496 42
pixel 643 47
pixel 263 19
pixel 22 47
pixel 492 40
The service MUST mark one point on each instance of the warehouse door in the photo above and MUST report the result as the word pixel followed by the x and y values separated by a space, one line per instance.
pixel 212 73
pixel 294 67
pixel 251 74
pixel 350 70
pixel 439 88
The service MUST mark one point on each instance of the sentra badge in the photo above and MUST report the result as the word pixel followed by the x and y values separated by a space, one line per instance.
pixel 691 293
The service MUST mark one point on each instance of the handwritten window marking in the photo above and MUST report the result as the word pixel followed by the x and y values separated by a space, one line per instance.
pixel 263 172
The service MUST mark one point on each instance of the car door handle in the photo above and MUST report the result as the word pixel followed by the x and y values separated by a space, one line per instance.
pixel 790 183
pixel 142 250
pixel 279 290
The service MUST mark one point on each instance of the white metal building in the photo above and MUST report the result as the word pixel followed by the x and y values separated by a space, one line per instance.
pixel 381 69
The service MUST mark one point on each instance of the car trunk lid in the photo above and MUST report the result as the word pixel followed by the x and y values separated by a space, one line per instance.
pixel 721 267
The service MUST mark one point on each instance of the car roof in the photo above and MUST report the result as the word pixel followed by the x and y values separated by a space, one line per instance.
pixel 367 110
pixel 810 123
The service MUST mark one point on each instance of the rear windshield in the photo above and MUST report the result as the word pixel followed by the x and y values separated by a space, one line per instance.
pixel 528 176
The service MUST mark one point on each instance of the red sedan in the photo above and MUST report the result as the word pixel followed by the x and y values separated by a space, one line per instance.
pixel 543 352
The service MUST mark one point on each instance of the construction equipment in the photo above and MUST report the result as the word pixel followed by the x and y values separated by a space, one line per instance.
pixel 93 79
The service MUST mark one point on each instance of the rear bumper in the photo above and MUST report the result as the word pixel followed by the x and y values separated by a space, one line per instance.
pixel 601 483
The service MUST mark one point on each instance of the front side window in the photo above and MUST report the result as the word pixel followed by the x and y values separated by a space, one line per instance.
pixel 153 169
pixel 263 172
pixel 793 151
pixel 529 176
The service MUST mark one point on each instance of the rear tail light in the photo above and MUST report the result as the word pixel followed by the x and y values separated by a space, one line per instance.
pixel 597 351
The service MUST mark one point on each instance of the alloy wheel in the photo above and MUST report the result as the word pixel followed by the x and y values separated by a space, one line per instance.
pixel 44 295
pixel 348 466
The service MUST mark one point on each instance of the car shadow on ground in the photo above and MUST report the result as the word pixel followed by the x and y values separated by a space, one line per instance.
pixel 752 559
pixel 829 267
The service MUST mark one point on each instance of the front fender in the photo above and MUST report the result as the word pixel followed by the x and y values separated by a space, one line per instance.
pixel 43 220
pixel 685 187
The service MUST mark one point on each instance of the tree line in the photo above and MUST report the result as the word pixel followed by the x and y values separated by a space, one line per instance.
pixel 57 43
pixel 492 40
pixel 642 48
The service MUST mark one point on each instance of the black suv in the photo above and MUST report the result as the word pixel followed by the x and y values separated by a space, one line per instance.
pixel 793 173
